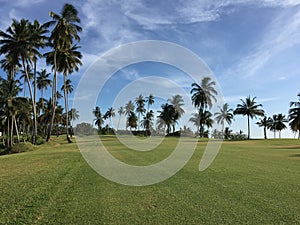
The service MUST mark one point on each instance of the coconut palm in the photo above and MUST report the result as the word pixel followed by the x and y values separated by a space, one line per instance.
pixel 147 121
pixel 61 39
pixel 129 107
pixel 203 118
pixel 121 111
pixel 150 101
pixel 250 109
pixel 43 82
pixel 132 120
pixel 224 115
pixel 109 114
pixel 265 123
pixel 140 107
pixel 294 116
pixel 98 120
pixel 169 115
pixel 203 96
pixel 177 101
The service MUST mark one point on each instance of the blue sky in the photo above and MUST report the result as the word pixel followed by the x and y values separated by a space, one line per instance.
pixel 252 47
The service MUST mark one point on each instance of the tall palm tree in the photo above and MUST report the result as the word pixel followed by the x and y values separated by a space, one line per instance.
pixel 203 96
pixel 265 123
pixel 250 109
pixel 73 115
pixel 140 107
pixel 150 101
pixel 98 120
pixel 43 82
pixel 224 115
pixel 281 119
pixel 132 120
pixel 129 107
pixel 147 121
pixel 204 118
pixel 294 116
pixel 177 101
pixel 68 62
pixel 109 114
pixel 169 115
pixel 121 111
pixel 61 39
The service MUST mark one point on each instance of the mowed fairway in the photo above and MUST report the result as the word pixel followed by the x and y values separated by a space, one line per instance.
pixel 250 182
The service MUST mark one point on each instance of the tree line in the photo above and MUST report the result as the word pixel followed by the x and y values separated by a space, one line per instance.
pixel 22 45
pixel 139 115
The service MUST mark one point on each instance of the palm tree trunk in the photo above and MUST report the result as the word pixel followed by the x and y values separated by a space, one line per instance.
pixel 248 127
pixel 17 130
pixel 11 132
pixel 53 99
pixel 119 123
pixel 265 132
pixel 66 108
pixel 34 133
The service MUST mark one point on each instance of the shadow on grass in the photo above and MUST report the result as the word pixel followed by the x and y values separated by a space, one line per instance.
pixel 295 155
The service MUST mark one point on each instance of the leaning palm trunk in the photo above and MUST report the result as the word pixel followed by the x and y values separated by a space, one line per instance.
pixel 53 100
pixel 16 127
pixel 66 106
pixel 34 133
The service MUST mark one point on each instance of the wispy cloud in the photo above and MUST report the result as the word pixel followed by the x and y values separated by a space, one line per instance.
pixel 283 33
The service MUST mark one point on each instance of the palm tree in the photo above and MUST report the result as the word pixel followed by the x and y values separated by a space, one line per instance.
pixel 61 39
pixel 129 107
pixel 169 115
pixel 203 96
pixel 147 121
pixel 121 111
pixel 150 101
pixel 294 116
pixel 177 101
pixel 250 109
pixel 132 120
pixel 277 123
pixel 224 115
pixel 73 115
pixel 99 120
pixel 43 82
pixel 68 62
pixel 204 118
pixel 140 107
pixel 265 123
pixel 109 114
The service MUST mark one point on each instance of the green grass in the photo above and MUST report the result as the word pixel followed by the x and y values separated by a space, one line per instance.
pixel 250 182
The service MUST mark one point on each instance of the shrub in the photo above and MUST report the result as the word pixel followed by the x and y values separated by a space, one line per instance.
pixel 22 147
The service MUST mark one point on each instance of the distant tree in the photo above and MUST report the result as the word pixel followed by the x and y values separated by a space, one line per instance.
pixel 121 111
pixel 150 101
pixel 169 115
pixel 132 120
pixel 129 107
pixel 294 116
pixel 250 109
pixel 203 96
pixel 224 115
pixel 98 120
pixel 203 118
pixel 140 107
pixel 265 123
pixel 43 82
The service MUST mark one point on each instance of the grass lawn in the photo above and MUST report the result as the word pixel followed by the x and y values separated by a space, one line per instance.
pixel 250 182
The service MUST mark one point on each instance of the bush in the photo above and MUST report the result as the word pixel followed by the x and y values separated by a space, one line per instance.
pixel 22 147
